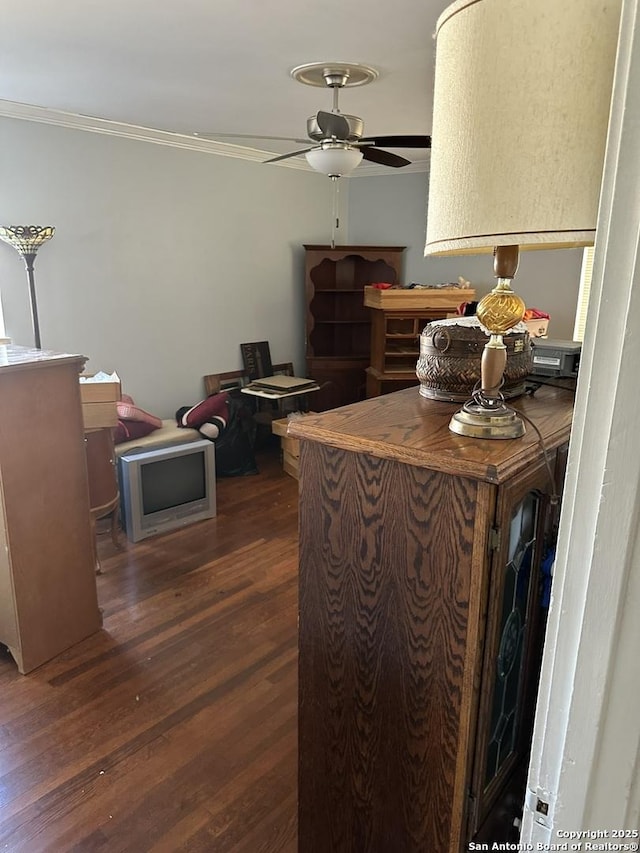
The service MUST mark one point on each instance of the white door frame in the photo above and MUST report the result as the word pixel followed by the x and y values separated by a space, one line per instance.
pixel 586 746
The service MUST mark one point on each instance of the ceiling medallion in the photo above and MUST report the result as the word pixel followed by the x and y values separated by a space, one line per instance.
pixel 345 74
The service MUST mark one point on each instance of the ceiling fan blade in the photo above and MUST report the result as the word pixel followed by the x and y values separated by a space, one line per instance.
pixel 291 154
pixel 385 158
pixel 399 141
pixel 333 125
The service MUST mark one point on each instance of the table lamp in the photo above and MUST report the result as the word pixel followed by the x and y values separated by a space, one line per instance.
pixel 521 108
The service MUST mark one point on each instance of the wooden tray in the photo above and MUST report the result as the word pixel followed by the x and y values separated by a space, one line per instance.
pixel 394 299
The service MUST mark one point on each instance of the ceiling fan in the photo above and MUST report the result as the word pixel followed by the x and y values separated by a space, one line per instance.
pixel 339 145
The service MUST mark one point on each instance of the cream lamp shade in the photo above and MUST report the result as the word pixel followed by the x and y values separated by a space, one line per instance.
pixel 521 107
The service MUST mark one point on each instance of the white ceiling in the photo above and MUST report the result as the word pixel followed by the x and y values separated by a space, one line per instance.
pixel 209 66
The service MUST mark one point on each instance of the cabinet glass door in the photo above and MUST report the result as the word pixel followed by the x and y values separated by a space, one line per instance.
pixel 515 620
pixel 516 581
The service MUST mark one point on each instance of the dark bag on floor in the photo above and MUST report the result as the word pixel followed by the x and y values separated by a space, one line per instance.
pixel 234 447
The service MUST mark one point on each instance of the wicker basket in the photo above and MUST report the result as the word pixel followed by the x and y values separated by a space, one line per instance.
pixel 449 364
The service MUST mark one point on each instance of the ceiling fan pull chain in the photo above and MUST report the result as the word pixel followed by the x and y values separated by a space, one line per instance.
pixel 335 218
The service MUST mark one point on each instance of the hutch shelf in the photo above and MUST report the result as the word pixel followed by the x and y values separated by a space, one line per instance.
pixel 338 324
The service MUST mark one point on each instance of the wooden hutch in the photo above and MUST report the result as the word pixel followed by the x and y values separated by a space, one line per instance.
pixel 338 325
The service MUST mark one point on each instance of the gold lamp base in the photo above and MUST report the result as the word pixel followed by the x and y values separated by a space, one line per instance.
pixel 485 415
pixel 476 421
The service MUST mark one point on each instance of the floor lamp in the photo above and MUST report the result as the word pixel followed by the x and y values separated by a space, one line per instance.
pixel 521 108
pixel 26 240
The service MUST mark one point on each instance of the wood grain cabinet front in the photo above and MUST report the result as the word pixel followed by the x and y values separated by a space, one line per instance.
pixel 48 597
pixel 422 609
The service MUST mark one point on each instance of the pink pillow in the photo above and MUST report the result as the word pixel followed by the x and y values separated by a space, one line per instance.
pixel 130 430
pixel 215 406
pixel 130 412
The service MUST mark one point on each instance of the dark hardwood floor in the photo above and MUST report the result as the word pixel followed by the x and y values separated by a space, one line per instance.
pixel 173 728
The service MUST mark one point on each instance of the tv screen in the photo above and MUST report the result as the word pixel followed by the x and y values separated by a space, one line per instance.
pixel 172 482
pixel 167 487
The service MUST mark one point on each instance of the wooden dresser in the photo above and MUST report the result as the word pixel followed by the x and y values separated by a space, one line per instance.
pixel 422 611
pixel 48 599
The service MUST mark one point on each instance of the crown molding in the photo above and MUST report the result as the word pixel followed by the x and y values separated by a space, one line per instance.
pixel 91 124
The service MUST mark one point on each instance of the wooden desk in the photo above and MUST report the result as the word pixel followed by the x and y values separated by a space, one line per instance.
pixel 420 622
pixel 277 396
pixel 48 598
pixel 214 383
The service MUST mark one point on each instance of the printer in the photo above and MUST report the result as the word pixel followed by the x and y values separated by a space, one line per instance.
pixel 559 359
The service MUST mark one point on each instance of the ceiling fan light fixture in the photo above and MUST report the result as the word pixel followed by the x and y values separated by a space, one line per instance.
pixel 334 159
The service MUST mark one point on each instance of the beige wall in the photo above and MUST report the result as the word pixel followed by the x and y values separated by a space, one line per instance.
pixel 164 260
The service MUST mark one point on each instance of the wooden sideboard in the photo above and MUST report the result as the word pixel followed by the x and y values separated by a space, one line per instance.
pixel 48 598
pixel 421 621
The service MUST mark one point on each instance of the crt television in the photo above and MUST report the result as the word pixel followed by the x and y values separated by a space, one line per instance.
pixel 167 487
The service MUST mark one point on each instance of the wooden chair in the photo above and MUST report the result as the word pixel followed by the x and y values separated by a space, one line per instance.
pixel 104 495
pixel 264 411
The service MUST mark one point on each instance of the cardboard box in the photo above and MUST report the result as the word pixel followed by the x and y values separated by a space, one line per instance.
pixel 99 415
pixel 290 447
pixel 538 327
pixel 279 427
pixel 99 403
pixel 288 444
pixel 290 464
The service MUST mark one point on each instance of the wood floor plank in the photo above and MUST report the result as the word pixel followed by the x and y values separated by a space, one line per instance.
pixel 161 675
pixel 175 726
pixel 101 750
